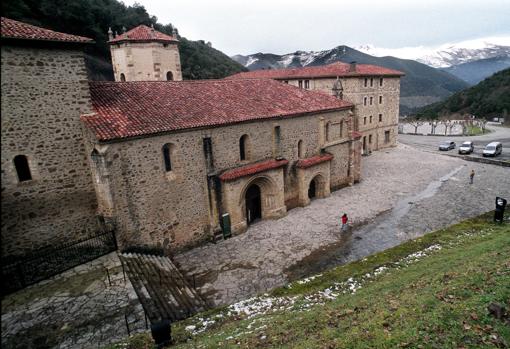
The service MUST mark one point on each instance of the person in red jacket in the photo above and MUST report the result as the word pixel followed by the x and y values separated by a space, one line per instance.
pixel 344 222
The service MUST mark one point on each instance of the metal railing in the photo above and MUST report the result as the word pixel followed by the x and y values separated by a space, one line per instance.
pixel 42 264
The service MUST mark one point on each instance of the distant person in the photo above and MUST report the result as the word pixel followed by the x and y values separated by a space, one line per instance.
pixel 471 176
pixel 344 222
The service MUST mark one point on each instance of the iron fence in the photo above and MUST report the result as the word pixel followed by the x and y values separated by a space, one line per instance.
pixel 40 265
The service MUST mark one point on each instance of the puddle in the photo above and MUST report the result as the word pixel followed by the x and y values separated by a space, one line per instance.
pixel 379 235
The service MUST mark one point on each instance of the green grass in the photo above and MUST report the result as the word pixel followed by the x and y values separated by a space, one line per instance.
pixel 476 131
pixel 439 301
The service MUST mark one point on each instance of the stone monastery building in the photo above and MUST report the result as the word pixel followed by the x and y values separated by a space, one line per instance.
pixel 158 159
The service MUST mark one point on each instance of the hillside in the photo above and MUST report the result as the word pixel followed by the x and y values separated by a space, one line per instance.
pixel 92 18
pixel 489 98
pixel 420 86
pixel 475 71
pixel 432 292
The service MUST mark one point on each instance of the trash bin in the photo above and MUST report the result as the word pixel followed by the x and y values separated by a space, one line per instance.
pixel 225 224
pixel 500 210
pixel 162 333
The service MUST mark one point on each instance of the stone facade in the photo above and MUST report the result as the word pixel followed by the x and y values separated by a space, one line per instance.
pixel 146 61
pixel 44 91
pixel 182 207
pixel 376 104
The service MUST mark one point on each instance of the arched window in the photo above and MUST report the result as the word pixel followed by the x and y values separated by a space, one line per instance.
pixel 22 168
pixel 328 130
pixel 122 77
pixel 301 149
pixel 167 156
pixel 169 76
pixel 341 129
pixel 244 148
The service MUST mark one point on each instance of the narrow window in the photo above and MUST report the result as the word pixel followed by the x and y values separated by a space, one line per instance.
pixel 328 127
pixel 301 149
pixel 365 101
pixel 167 152
pixel 341 129
pixel 371 100
pixel 122 77
pixel 369 139
pixel 307 84
pixel 169 76
pixel 286 81
pixel 22 168
pixel 380 99
pixel 371 82
pixel 380 82
pixel 370 118
pixel 300 83
pixel 386 136
pixel 366 82
pixel 243 148
pixel 277 141
pixel 365 120
pixel 380 117
pixel 208 152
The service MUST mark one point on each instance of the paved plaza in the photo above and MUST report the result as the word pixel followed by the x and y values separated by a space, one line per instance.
pixel 403 194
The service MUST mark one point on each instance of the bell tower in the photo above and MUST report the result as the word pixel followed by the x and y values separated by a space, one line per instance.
pixel 144 54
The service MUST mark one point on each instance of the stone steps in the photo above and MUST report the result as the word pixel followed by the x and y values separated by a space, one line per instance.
pixel 163 291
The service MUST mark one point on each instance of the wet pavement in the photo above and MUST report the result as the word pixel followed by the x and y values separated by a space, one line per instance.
pixel 404 194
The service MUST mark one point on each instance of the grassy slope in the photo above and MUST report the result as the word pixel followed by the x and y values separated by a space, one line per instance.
pixel 439 301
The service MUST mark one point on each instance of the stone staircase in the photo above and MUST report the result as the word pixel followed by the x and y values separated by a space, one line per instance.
pixel 162 290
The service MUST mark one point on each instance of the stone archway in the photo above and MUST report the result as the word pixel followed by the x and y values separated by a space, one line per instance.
pixel 317 187
pixel 260 192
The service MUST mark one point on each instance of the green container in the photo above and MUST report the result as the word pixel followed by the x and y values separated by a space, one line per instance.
pixel 225 223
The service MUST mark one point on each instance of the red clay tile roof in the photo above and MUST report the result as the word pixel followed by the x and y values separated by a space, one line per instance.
pixel 314 160
pixel 131 109
pixel 143 33
pixel 12 29
pixel 337 69
pixel 252 169
pixel 356 134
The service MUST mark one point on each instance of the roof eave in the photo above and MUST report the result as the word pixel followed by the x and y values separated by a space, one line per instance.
pixel 11 38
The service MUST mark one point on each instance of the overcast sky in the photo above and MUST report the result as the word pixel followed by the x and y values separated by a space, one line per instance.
pixel 283 26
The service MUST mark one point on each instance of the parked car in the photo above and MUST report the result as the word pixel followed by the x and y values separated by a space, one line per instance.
pixel 447 145
pixel 466 148
pixel 493 149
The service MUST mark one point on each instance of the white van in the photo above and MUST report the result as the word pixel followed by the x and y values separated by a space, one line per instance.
pixel 493 149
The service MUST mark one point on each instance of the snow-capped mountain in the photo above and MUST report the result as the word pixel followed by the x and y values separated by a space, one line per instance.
pixel 449 54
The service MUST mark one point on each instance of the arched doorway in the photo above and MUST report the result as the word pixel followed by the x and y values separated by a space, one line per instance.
pixel 312 190
pixel 253 204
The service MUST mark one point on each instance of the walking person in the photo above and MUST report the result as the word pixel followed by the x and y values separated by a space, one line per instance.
pixel 344 222
pixel 471 176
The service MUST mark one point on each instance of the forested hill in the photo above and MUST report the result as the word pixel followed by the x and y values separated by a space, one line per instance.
pixel 92 18
pixel 489 98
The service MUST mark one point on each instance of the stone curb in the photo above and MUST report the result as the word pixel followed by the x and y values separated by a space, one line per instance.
pixel 481 160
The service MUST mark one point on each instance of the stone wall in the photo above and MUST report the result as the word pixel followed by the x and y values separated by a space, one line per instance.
pixel 181 207
pixel 368 123
pixel 44 91
pixel 149 61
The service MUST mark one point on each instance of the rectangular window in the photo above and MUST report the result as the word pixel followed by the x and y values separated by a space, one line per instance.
pixel 380 117
pixel 371 100
pixel 370 118
pixel 277 141
pixel 380 99
pixel 365 101
pixel 386 136
pixel 366 82
pixel 300 83
pixel 307 84
pixel 365 120
pixel 208 152
pixel 286 81
pixel 370 139
pixel 380 82
pixel 371 82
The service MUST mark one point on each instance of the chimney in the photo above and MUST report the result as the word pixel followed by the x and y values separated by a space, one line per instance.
pixel 153 34
pixel 174 32
pixel 110 34
pixel 352 67
pixel 123 29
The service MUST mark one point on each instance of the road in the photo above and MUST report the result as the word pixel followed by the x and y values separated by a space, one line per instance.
pixel 498 133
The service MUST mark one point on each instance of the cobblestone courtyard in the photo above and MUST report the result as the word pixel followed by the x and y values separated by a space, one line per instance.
pixel 404 194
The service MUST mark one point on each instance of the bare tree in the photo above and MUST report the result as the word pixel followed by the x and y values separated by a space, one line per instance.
pixel 433 125
pixel 416 124
pixel 447 125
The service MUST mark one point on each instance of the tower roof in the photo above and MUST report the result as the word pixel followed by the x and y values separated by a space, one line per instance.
pixel 12 29
pixel 143 33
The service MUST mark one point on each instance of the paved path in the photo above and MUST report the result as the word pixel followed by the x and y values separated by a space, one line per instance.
pixel 76 309
pixel 271 253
